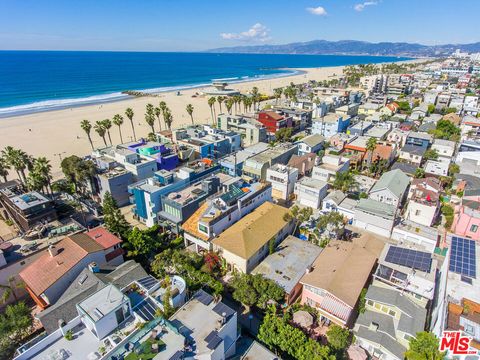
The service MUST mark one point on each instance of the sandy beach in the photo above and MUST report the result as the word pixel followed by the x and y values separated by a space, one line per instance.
pixel 56 134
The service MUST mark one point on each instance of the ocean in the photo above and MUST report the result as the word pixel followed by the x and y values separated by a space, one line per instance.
pixel 32 81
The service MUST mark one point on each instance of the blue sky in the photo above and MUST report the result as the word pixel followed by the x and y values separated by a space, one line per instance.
pixel 192 25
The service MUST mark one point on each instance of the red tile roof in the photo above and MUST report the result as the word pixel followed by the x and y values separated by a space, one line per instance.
pixel 47 269
pixel 103 237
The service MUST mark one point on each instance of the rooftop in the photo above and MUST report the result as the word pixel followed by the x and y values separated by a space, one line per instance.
pixel 394 180
pixel 376 208
pixel 29 200
pixel 313 140
pixel 344 267
pixel 249 234
pixel 287 264
pixel 103 302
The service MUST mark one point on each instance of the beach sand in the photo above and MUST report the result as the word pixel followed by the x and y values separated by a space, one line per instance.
pixel 56 134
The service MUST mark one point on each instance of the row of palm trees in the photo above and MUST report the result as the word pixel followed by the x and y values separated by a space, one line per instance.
pixel 33 173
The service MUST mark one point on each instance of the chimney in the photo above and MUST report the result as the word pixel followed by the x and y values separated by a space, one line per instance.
pixel 308 270
pixel 93 267
pixel 52 250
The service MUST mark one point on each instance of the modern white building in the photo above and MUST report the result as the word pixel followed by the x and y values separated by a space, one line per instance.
pixel 330 166
pixel 283 179
pixel 310 144
pixel 310 192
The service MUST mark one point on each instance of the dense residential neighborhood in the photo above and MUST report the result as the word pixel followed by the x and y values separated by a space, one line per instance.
pixel 335 219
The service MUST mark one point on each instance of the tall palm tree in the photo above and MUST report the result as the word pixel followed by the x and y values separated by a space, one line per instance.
pixel 371 145
pixel 107 124
pixel 163 106
pixel 220 100
pixel 87 127
pixel 190 111
pixel 150 109
pixel 19 160
pixel 150 120
pixel 4 167
pixel 101 131
pixel 168 118
pixel 158 112
pixel 229 104
pixel 211 103
pixel 278 94
pixel 129 115
pixel 118 121
pixel 42 168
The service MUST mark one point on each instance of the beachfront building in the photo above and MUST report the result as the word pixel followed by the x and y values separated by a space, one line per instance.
pixel 49 275
pixel 288 263
pixel 274 121
pixel 217 214
pixel 25 209
pixel 256 167
pixel 334 282
pixel 330 124
pixel 283 179
pixel 246 243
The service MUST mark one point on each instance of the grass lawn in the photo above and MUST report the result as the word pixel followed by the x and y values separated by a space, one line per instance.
pixel 146 352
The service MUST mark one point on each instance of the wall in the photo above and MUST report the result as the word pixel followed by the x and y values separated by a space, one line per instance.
pixel 384 196
pixel 421 214
pixel 373 223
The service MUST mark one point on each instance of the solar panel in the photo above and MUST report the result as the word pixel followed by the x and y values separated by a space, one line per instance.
pixel 203 297
pixel 463 259
pixel 148 282
pixel 213 340
pixel 414 259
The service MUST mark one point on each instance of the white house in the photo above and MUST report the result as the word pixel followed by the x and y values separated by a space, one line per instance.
pixel 330 166
pixel 310 144
pixel 310 192
pixel 444 148
pixel 374 216
pixel 283 179
pixel 436 168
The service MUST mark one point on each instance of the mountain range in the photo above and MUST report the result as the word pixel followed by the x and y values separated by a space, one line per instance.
pixel 352 47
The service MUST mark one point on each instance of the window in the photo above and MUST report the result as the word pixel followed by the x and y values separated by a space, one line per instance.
pixel 417 212
pixel 203 228
pixel 474 228
pixel 469 329
pixel 370 302
pixel 392 313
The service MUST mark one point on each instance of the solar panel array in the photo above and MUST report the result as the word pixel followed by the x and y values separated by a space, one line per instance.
pixel 413 259
pixel 463 259
pixel 148 282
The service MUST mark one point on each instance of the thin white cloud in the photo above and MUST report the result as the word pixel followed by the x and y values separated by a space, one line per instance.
pixel 257 33
pixel 361 6
pixel 319 10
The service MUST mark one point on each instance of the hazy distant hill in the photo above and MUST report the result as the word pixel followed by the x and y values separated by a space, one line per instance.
pixel 352 47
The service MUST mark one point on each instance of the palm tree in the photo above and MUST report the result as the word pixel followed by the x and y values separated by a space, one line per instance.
pixel 87 127
pixel 371 146
pixel 4 167
pixel 190 111
pixel 220 100
pixel 150 109
pixel 107 124
pixel 42 169
pixel 150 120
pixel 129 115
pixel 168 118
pixel 278 94
pixel 19 160
pixel 211 103
pixel 163 106
pixel 344 181
pixel 101 131
pixel 158 112
pixel 118 121
pixel 229 104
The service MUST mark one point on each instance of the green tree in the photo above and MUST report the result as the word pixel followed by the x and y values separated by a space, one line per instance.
pixel 41 174
pixel 431 154
pixel 211 103
pixel 15 325
pixel 338 338
pixel 4 167
pixel 118 121
pixel 431 108
pixel 168 117
pixel 18 160
pixel 107 125
pixel 141 244
pixel 278 94
pixel 129 114
pixel 419 173
pixel 446 130
pixel 115 222
pixel 453 169
pixel 101 131
pixel 189 109
pixel 78 172
pixel 298 215
pixel 229 104
pixel 87 127
pixel 255 290
pixel 284 134
pixel 345 181
pixel 371 146
pixel 424 347
pixel 163 107
pixel 150 120
pixel 361 301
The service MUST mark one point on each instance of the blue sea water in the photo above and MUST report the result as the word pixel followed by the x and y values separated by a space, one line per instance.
pixel 32 81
